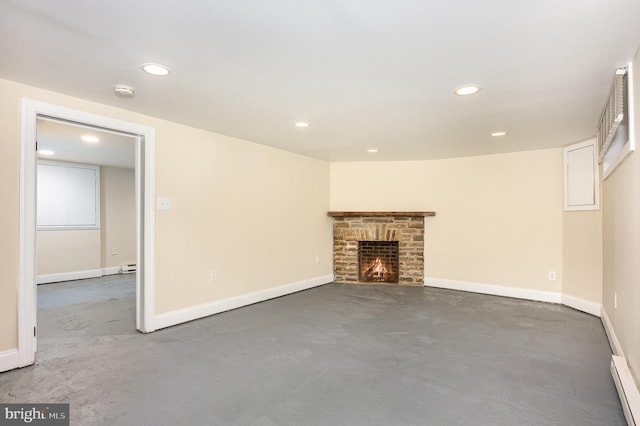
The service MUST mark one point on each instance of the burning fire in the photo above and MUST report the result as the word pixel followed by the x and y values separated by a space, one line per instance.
pixel 377 271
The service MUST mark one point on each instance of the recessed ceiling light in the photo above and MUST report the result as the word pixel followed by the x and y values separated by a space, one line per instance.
pixel 372 150
pixel 301 124
pixel 124 91
pixel 497 134
pixel 90 138
pixel 155 69
pixel 45 152
pixel 469 89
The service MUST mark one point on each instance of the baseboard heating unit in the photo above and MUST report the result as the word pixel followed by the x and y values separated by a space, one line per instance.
pixel 128 268
pixel 627 390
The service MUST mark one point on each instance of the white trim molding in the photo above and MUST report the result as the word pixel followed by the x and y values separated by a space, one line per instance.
pixel 145 184
pixel 621 374
pixel 69 276
pixel 78 275
pixel 518 293
pixel 582 305
pixel 146 226
pixel 9 360
pixel 27 304
pixel 111 270
pixel 493 289
pixel 616 347
pixel 179 316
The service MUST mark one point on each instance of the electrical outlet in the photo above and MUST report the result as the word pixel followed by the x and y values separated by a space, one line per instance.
pixel 552 275
pixel 317 259
pixel 615 300
pixel 114 251
pixel 213 276
pixel 164 203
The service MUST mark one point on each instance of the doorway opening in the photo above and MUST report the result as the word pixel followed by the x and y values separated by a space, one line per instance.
pixel 144 164
pixel 85 234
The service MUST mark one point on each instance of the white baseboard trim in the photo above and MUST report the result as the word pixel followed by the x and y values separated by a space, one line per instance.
pixel 582 305
pixel 77 275
pixel 180 316
pixel 627 389
pixel 496 290
pixel 616 348
pixel 111 270
pixel 9 360
pixel 68 276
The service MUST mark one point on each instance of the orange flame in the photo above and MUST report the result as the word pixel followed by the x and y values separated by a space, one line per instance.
pixel 377 270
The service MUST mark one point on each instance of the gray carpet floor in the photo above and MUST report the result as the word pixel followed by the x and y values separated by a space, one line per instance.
pixel 333 355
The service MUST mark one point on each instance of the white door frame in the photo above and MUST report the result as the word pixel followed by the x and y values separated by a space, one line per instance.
pixel 145 218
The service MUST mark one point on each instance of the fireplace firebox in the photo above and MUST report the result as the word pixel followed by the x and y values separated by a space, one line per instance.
pixel 378 261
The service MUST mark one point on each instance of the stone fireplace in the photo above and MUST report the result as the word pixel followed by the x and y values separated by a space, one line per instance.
pixel 379 247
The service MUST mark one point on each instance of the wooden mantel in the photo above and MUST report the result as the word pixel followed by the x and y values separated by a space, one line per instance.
pixel 380 214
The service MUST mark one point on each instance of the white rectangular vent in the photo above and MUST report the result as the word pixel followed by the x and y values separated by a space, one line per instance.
pixel 613 113
pixel 128 268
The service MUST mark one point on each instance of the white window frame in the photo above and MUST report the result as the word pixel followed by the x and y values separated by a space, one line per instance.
pixel 96 193
pixel 630 144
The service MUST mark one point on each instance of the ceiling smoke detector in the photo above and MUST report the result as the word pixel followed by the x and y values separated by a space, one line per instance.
pixel 124 91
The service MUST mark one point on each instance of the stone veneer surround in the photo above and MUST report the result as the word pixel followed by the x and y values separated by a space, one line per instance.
pixel 407 228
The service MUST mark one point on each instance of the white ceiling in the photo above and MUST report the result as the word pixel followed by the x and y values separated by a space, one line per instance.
pixel 65 140
pixel 374 73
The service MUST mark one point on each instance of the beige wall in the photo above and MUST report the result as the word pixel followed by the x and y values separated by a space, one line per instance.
pixel 118 215
pixel 621 218
pixel 255 214
pixel 582 255
pixel 87 250
pixel 498 217
pixel 9 224
pixel 67 251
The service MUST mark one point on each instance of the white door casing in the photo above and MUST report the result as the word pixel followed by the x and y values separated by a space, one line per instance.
pixel 145 217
